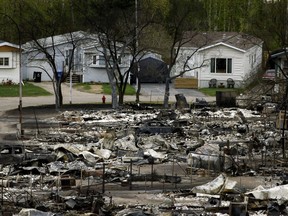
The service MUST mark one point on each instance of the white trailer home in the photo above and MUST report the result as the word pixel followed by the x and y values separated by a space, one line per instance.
pixel 219 56
pixel 9 62
pixel 82 49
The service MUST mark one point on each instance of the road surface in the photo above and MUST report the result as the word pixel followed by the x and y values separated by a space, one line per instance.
pixel 149 93
pixel 10 116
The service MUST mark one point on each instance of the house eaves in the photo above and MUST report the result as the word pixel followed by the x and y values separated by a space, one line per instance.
pixel 91 48
pixel 58 40
pixel 4 43
pixel 234 40
pixel 279 53
pixel 149 54
pixel 223 44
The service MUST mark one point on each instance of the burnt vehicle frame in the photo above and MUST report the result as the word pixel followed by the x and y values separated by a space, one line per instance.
pixel 11 154
pixel 16 154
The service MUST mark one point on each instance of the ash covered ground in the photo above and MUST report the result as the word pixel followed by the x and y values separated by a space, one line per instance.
pixel 146 161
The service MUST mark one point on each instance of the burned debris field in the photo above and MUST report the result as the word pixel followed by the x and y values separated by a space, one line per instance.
pixel 147 161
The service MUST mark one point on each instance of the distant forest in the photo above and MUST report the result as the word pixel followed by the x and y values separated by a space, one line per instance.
pixel 24 20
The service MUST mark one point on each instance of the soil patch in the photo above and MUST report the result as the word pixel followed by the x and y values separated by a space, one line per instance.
pixel 97 89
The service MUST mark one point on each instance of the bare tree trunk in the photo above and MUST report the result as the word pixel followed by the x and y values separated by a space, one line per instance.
pixel 138 92
pixel 138 83
pixel 114 99
pixel 58 95
pixel 167 93
pixel 114 95
pixel 121 97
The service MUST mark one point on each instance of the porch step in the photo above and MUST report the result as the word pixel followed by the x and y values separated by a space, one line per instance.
pixel 75 78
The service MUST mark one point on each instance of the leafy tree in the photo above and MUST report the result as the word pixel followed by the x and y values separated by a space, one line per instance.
pixel 227 15
pixel 265 22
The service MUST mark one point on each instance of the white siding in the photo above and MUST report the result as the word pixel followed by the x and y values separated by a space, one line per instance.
pixel 221 51
pixel 95 75
pixel 98 73
pixel 182 59
pixel 240 63
pixel 85 49
pixel 37 62
pixel 253 60
pixel 10 72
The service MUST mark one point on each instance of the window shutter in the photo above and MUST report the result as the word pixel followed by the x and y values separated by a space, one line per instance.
pixel 212 65
pixel 94 60
pixel 229 68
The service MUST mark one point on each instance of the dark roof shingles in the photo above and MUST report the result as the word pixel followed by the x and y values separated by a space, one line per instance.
pixel 235 39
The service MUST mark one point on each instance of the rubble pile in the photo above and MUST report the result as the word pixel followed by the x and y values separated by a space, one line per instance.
pixel 199 159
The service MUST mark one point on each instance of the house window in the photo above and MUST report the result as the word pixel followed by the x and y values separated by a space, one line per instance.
pixel 100 60
pixel 94 60
pixel 221 65
pixel 68 57
pixel 4 61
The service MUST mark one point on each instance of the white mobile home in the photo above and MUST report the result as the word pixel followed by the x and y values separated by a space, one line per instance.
pixel 9 62
pixel 219 56
pixel 87 59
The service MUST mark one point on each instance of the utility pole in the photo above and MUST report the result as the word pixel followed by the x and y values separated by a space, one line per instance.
pixel 136 53
pixel 20 72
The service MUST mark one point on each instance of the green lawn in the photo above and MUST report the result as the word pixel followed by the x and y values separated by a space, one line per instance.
pixel 130 90
pixel 28 90
pixel 212 91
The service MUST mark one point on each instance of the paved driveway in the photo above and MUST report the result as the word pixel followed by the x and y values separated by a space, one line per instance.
pixel 159 89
